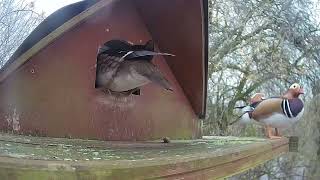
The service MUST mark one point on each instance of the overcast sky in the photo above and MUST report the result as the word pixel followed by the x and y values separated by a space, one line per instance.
pixel 49 6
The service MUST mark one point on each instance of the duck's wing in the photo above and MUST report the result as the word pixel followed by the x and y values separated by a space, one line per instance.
pixel 151 72
pixel 266 108
pixel 145 53
pixel 257 99
pixel 253 102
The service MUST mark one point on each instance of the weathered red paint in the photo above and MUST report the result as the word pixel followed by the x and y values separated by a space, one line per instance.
pixel 53 93
pixel 177 27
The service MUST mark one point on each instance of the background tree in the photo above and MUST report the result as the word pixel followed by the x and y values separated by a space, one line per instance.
pixel 264 46
pixel 258 45
pixel 17 20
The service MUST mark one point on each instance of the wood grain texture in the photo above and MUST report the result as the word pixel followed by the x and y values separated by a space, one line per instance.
pixel 196 163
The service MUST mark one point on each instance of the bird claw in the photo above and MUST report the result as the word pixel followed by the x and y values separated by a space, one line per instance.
pixel 107 91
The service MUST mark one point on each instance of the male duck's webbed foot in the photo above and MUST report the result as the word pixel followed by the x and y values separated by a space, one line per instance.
pixel 277 132
pixel 270 135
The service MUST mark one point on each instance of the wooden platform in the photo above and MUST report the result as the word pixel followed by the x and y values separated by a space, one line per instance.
pixel 25 157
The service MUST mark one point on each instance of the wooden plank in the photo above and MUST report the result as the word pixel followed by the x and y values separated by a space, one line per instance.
pixel 51 37
pixel 278 143
pixel 235 167
pixel 197 161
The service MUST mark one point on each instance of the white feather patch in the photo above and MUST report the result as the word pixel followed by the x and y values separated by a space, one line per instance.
pixel 279 120
pixel 245 119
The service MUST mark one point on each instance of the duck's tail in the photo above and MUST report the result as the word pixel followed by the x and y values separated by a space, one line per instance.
pixel 244 118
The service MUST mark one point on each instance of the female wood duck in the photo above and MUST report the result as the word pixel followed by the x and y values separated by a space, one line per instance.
pixel 276 112
pixel 124 67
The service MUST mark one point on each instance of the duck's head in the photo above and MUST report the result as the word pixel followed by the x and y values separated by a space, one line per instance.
pixel 294 91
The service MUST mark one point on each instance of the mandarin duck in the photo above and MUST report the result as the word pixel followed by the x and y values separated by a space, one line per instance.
pixel 124 67
pixel 276 112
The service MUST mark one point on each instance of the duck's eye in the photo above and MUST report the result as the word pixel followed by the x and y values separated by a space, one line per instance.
pixel 295 86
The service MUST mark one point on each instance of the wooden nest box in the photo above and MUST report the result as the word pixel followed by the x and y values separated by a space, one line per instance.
pixel 47 88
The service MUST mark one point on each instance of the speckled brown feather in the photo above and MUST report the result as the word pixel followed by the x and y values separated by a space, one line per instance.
pixel 121 72
pixel 107 66
pixel 151 72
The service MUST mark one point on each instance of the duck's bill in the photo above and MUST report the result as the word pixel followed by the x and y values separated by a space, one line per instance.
pixel 301 91
pixel 147 53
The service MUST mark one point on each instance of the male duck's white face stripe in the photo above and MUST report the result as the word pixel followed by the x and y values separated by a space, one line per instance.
pixel 289 109
pixel 286 108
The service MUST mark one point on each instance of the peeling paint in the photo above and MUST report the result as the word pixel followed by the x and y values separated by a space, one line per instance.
pixel 13 120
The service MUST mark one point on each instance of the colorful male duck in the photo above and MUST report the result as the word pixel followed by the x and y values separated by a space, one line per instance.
pixel 276 112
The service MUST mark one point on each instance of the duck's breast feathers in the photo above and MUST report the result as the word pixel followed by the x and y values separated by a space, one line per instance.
pixel 288 107
pixel 292 107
